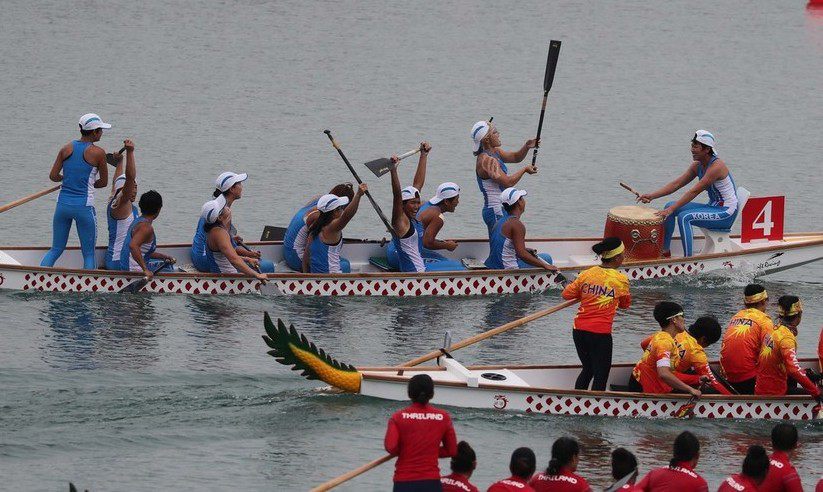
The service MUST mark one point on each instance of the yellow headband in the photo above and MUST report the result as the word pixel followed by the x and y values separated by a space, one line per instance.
pixel 612 253
pixel 755 298
pixel 795 308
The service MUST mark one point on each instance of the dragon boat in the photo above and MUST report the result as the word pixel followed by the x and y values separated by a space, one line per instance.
pixel 20 270
pixel 533 389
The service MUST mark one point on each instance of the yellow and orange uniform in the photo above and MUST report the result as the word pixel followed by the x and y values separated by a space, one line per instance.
pixel 601 291
pixel 661 351
pixel 693 362
pixel 741 344
pixel 778 358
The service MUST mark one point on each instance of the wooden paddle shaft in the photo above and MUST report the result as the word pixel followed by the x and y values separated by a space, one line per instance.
pixel 488 334
pixel 349 475
pixel 29 198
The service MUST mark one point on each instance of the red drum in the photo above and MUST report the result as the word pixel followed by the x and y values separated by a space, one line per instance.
pixel 640 230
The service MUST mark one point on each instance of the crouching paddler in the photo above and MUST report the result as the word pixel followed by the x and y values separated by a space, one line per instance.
pixel 418 435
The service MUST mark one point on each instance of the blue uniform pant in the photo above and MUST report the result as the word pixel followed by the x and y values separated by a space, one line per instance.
pixel 292 260
pixel 85 219
pixel 544 256
pixel 490 217
pixel 154 263
pixel 696 215
pixel 266 266
pixel 393 259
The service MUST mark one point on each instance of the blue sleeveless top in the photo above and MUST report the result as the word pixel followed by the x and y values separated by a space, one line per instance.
pixel 78 178
pixel 410 249
pixel 297 229
pixel 198 247
pixel 501 249
pixel 146 249
pixel 324 258
pixel 490 189
pixel 118 229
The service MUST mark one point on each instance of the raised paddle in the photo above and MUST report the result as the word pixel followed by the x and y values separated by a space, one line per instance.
pixel 551 65
pixel 490 333
pixel 624 185
pixel 383 165
pixel 137 285
pixel 111 159
pixel 360 181
pixel 29 198
pixel 349 475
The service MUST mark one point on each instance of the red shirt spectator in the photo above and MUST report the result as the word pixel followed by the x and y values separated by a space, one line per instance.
pixel 418 435
pixel 738 483
pixel 680 477
pixel 457 483
pixel 511 484
pixel 565 481
pixel 782 476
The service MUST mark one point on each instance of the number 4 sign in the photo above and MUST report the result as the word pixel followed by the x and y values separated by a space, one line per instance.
pixel 763 219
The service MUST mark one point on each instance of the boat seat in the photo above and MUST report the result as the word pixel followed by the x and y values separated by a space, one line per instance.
pixel 718 240
pixel 473 264
pixel 7 259
pixel 620 387
pixel 381 262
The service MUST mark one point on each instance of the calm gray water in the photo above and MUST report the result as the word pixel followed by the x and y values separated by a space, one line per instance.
pixel 114 392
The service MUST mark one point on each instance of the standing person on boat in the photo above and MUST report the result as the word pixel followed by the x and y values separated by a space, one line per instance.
pixel 601 290
pixel 507 243
pixel 221 254
pixel 121 211
pixel 624 463
pixel 560 475
pixel 490 167
pixel 778 353
pixel 782 476
pixel 713 176
pixel 462 465
pixel 680 474
pixel 406 252
pixel 521 466
pixel 694 365
pixel 294 241
pixel 741 342
pixel 80 167
pixel 230 185
pixel 418 435
pixel 141 254
pixel 755 467
pixel 654 373
pixel 325 239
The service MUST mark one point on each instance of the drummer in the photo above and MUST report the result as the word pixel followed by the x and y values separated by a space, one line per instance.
pixel 740 348
pixel 121 211
pixel 714 177
pixel 507 243
pixel 490 167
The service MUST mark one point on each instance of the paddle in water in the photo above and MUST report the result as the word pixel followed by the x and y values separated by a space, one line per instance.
pixel 383 165
pixel 687 410
pixel 551 65
pixel 137 285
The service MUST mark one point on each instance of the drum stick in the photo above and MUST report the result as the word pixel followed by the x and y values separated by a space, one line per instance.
pixel 624 185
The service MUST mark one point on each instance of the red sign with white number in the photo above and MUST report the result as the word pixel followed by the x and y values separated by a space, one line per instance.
pixel 762 218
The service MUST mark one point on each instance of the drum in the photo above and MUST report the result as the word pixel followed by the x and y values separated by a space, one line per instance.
pixel 640 230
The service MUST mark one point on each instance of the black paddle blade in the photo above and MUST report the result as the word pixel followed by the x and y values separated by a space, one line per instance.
pixel 113 159
pixel 380 166
pixel 551 64
pixel 273 233
pixel 135 286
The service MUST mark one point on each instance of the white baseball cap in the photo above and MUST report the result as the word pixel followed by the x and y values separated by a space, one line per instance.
pixel 212 209
pixel 509 196
pixel 120 182
pixel 445 191
pixel 706 138
pixel 330 202
pixel 91 121
pixel 409 192
pixel 479 131
pixel 228 179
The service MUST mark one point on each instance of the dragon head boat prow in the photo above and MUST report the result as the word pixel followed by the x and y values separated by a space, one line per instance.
pixel 290 348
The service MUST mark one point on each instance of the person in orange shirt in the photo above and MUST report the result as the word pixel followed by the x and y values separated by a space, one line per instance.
pixel 601 290
pixel 654 373
pixel 778 353
pixel 741 342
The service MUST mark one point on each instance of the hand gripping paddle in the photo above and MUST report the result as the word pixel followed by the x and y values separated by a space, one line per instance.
pixel 383 165
pixel 112 160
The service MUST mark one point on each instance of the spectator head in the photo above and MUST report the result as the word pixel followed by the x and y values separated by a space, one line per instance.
pixel 523 463
pixel 623 463
pixel 784 437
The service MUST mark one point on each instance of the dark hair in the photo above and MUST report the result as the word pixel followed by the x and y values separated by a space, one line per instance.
pixel 85 133
pixel 707 327
pixel 343 189
pixel 784 437
pixel 464 460
pixel 563 451
pixel 150 203
pixel 508 208
pixel 421 388
pixel 786 303
pixel 217 192
pixel 686 448
pixel 319 223
pixel 607 244
pixel 664 310
pixel 623 463
pixel 756 463
pixel 523 463
pixel 753 289
pixel 694 140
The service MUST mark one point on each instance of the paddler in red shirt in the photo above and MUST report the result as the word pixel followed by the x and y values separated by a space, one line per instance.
pixel 778 353
pixel 741 342
pixel 755 466
pixel 522 467
pixel 418 435
pixel 680 474
pixel 462 465
pixel 624 468
pixel 654 372
pixel 782 476
pixel 560 476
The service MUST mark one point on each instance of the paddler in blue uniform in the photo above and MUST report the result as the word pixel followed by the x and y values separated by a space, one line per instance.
pixel 141 253
pixel 507 245
pixel 121 211
pixel 490 167
pixel 430 217
pixel 80 167
pixel 325 239
pixel 715 178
